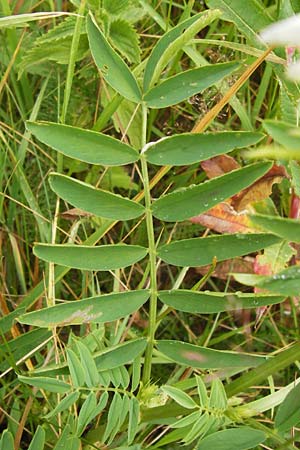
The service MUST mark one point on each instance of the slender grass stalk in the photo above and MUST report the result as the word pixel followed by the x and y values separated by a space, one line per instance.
pixel 152 256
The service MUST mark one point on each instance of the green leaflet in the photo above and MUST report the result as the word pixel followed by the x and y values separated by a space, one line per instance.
pixel 214 302
pixel 38 440
pixel 49 384
pixel 104 308
pixel 95 201
pixel 104 257
pixel 283 133
pixel 113 68
pixel 205 358
pixel 187 148
pixel 189 202
pixel 242 438
pixel 186 84
pixel 84 145
pixel 288 414
pixel 286 228
pixel 201 251
pixel 173 41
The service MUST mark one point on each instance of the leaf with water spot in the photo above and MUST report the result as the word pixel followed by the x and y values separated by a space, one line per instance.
pixel 189 202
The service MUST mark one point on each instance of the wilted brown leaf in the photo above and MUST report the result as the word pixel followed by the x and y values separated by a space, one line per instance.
pixel 74 214
pixel 236 265
pixel 259 190
pixel 224 219
pixel 219 165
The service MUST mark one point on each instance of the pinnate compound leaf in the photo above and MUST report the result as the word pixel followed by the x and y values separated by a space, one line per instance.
pixel 214 302
pixel 187 148
pixel 242 438
pixel 113 69
pixel 288 414
pixel 75 367
pixel 201 251
pixel 179 397
pixel 134 417
pixel 114 413
pixel 173 41
pixel 189 202
pixel 88 364
pixel 95 201
pixel 104 308
pixel 288 229
pixel 104 257
pixel 87 409
pixel 38 440
pixel 84 145
pixel 49 384
pixel 64 403
pixel 205 358
pixel 186 84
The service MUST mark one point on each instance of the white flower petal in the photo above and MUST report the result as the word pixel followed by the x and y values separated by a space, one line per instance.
pixel 293 71
pixel 285 32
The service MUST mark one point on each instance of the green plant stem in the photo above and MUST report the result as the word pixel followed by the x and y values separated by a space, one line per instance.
pixel 152 256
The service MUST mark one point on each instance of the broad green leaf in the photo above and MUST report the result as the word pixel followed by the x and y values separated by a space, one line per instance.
pixel 95 201
pixel 49 384
pixel 286 228
pixel 242 438
pixel 214 302
pixel 201 251
pixel 283 133
pixel 15 349
pixel 7 441
pixel 189 202
pixel 84 145
pixel 64 403
pixel 249 20
pixel 288 414
pixel 173 41
pixel 104 257
pixel 179 397
pixel 38 440
pixel 113 69
pixel 125 39
pixel 134 413
pixel 75 367
pixel 23 19
pixel 186 84
pixel 88 364
pixel 114 413
pixel 104 308
pixel 188 148
pixel 205 358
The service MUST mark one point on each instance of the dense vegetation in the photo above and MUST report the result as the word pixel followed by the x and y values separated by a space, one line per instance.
pixel 150 197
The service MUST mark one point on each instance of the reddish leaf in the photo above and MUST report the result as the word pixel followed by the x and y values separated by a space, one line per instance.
pixel 219 165
pixel 224 219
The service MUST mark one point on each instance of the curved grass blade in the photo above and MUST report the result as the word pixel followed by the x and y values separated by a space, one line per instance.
pixel 184 85
pixel 214 302
pixel 189 202
pixel 104 257
pixel 105 308
pixel 201 251
pixel 188 148
pixel 95 201
pixel 84 145
pixel 113 69
pixel 205 358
